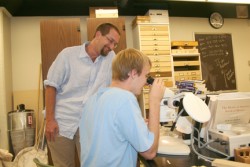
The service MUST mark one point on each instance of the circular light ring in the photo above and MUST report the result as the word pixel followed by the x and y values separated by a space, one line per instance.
pixel 196 108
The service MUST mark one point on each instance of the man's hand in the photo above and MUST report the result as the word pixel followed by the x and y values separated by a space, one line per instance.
pixel 157 90
pixel 52 130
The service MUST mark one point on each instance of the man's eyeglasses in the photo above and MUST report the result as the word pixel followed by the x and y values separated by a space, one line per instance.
pixel 111 41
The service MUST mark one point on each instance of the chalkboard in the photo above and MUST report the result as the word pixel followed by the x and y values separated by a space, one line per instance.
pixel 217 61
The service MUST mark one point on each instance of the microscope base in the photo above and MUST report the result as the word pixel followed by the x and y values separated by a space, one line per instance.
pixel 172 146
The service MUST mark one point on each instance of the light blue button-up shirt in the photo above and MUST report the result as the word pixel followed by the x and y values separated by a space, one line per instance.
pixel 75 77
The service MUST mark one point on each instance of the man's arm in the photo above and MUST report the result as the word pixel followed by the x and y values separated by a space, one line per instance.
pixel 51 124
pixel 155 97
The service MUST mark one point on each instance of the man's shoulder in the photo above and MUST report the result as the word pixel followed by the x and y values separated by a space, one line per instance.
pixel 118 94
pixel 76 47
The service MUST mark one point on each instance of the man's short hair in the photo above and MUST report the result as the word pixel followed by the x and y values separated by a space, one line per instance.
pixel 106 27
pixel 127 60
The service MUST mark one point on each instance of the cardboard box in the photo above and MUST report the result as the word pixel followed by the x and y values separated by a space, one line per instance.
pixel 92 12
pixel 140 19
pixel 158 16
pixel 153 12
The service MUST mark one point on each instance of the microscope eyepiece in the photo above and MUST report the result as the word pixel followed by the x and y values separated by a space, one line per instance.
pixel 150 80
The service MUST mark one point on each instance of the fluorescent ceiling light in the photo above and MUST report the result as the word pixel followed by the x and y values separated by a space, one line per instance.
pixel 191 0
pixel 219 1
pixel 231 1
pixel 195 0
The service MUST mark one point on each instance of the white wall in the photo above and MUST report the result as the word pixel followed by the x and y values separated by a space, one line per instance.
pixel 26 50
pixel 5 75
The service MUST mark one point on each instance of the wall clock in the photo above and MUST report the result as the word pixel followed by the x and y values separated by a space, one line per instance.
pixel 216 20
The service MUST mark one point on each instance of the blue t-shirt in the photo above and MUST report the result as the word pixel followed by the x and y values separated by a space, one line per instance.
pixel 112 130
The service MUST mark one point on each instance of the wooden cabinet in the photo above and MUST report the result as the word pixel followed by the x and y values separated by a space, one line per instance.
pixel 57 34
pixel 154 41
pixel 93 23
pixel 187 66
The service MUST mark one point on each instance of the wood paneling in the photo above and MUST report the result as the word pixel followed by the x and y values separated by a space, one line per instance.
pixel 55 36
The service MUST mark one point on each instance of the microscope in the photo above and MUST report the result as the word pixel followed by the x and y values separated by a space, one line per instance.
pixel 184 103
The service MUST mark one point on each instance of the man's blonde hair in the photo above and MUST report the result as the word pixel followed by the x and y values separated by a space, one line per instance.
pixel 127 60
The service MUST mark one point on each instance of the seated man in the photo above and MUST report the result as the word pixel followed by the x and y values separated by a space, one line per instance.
pixel 112 129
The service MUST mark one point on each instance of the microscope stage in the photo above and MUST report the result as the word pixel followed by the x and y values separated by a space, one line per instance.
pixel 172 146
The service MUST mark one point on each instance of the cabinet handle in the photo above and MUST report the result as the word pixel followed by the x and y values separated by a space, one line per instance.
pixel 158 75
pixel 156 54
pixel 157 65
pixel 156 60
pixel 155 49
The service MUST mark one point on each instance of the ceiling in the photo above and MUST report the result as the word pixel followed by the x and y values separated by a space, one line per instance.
pixel 125 7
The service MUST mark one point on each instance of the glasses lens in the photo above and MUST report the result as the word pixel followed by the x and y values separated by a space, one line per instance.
pixel 111 41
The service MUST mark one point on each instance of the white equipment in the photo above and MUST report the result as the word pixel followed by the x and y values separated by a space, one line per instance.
pixel 196 109
pixel 229 127
pixel 227 141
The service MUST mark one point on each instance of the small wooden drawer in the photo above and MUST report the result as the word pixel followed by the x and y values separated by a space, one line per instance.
pixel 160 64
pixel 154 33
pixel 161 74
pixel 187 63
pixel 160 58
pixel 155 38
pixel 154 28
pixel 183 78
pixel 156 53
pixel 155 48
pixel 155 43
pixel 187 73
pixel 160 69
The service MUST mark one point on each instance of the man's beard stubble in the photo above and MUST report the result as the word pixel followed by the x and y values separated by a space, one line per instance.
pixel 105 52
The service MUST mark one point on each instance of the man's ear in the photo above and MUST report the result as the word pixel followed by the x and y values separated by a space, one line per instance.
pixel 132 73
pixel 98 34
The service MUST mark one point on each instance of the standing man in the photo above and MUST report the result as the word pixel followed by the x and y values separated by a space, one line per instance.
pixel 112 129
pixel 76 74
